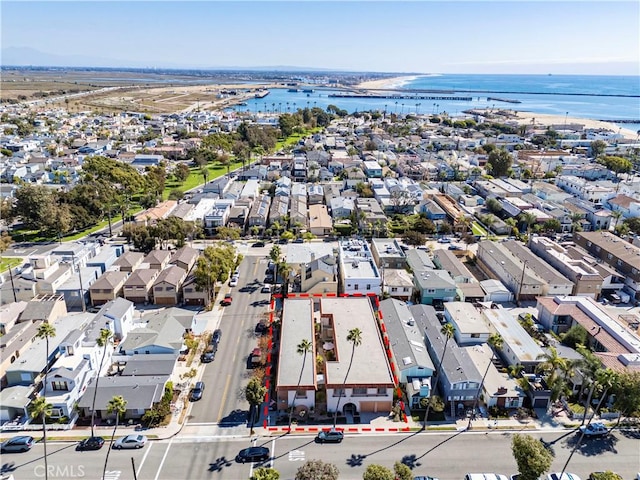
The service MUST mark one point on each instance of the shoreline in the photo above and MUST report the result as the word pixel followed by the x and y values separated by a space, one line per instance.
pixel 387 83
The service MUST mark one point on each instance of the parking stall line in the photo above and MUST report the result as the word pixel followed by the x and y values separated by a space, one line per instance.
pixel 144 457
pixel 164 457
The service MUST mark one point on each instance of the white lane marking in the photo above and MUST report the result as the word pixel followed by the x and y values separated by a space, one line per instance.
pixel 296 456
pixel 253 444
pixel 273 453
pixel 166 452
pixel 144 457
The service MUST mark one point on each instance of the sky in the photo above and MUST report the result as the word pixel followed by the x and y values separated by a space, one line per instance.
pixel 580 37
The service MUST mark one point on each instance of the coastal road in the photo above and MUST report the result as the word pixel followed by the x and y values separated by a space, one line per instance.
pixel 225 378
pixel 447 456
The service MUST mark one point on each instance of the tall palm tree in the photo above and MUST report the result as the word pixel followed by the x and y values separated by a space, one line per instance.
pixel 495 341
pixel 617 214
pixel 528 219
pixel 606 379
pixel 447 331
pixel 104 340
pixel 552 366
pixel 39 408
pixel 303 348
pixel 590 367
pixel 117 405
pixel 355 337
pixel 46 331
pixel 284 270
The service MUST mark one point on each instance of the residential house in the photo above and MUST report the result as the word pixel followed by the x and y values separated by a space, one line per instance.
pixel 157 259
pixel 358 271
pixel 259 213
pixel 168 285
pixel 191 295
pixel 372 169
pixel 129 261
pixel 368 388
pixel 185 258
pixel 397 283
pixel 163 333
pixel 471 328
pixel 107 287
pixel 387 253
pixel 151 215
pixel 279 212
pixel 138 286
pixel 433 287
pixel 76 288
pixel 117 315
pixel 409 354
pixel 341 207
pixel 468 288
pixel 315 194
pixel 298 213
pixel 105 258
pixel 320 222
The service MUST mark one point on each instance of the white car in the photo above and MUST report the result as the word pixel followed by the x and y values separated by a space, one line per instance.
pixel 233 282
pixel 565 476
pixel 130 441
pixel 595 429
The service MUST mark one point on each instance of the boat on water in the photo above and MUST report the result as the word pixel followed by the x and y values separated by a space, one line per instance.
pixel 262 93
pixel 308 90
pixel 293 90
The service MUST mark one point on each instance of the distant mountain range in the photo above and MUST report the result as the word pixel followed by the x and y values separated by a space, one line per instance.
pixel 26 56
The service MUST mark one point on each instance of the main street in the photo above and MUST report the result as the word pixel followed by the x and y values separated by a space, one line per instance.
pixel 447 456
pixel 225 378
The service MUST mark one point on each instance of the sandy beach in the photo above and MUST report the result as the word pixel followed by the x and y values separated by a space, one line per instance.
pixel 548 119
pixel 392 82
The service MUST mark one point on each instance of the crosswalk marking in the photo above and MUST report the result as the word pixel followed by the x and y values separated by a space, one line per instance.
pixel 296 456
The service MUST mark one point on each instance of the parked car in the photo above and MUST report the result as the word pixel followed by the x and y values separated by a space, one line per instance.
pixel 217 335
pixel 226 301
pixel 17 444
pixel 298 240
pixel 266 288
pixel 256 358
pixel 268 278
pixel 330 436
pixel 454 247
pixel 565 476
pixel 258 244
pixel 595 429
pixel 197 392
pixel 424 477
pixel 253 454
pixel 233 282
pixel 209 355
pixel 444 240
pixel 130 441
pixel 91 443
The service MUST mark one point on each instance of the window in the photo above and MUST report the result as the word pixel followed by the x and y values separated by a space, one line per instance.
pixel 394 289
pixel 381 391
pixel 368 286
pixel 57 412
pixel 359 392
pixel 59 385
pixel 431 290
pixel 338 392
pixel 301 394
pixel 356 287
pixel 475 335
pixel 609 256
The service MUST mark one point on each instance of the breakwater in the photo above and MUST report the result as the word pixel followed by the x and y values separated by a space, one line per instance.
pixel 399 97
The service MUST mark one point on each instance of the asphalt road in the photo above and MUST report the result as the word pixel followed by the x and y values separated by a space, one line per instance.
pixel 447 456
pixel 226 377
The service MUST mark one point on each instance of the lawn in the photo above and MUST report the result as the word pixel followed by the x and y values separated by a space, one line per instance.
pixel 295 138
pixel 478 230
pixel 195 178
pixel 7 263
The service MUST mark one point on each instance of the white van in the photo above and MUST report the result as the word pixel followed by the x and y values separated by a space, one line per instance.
pixel 485 476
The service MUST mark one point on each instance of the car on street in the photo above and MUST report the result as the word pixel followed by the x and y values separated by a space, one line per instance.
pixel 233 282
pixel 595 429
pixel 253 454
pixel 258 244
pixel 268 278
pixel 17 444
pixel 226 301
pixel 266 288
pixel 330 436
pixel 444 240
pixel 209 355
pixel 130 441
pixel 565 476
pixel 91 443
pixel 454 247
pixel 217 335
pixel 255 359
pixel 298 240
pixel 197 392
pixel 424 477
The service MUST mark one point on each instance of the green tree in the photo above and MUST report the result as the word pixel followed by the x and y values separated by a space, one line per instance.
pixel 265 473
pixel 254 393
pixel 103 341
pixel 597 148
pixel 498 163
pixel 414 238
pixel 113 172
pixel 5 242
pixel 576 335
pixel 377 472
pixel 493 205
pixel 46 331
pixel 317 470
pixel 633 224
pixel 627 395
pixel 447 331
pixel 7 213
pixel 214 265
pixel 402 471
pixel 552 225
pixel 606 475
pixel 528 219
pixel 228 233
pixel 118 406
pixel 495 342
pixel 302 348
pixel 424 226
pixel 33 205
pixel 40 409
pixel 274 253
pixel 355 337
pixel 181 172
pixel 531 456
pixel 553 365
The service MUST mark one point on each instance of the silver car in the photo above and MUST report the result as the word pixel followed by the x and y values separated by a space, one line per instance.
pixel 130 441
pixel 17 444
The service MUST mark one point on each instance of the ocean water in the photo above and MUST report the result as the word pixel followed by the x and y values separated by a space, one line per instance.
pixel 551 94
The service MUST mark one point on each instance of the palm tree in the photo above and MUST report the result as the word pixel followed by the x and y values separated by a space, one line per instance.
pixel 303 348
pixel 528 219
pixel 590 367
pixel 355 337
pixel 447 331
pixel 617 214
pixel 39 408
pixel 117 405
pixel 46 331
pixel 495 341
pixel 102 341
pixel 551 366
pixel 284 271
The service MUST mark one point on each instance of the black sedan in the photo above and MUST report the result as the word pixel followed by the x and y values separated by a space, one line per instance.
pixel 253 454
pixel 91 443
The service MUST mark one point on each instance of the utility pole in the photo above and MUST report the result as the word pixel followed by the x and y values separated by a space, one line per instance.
pixel 524 268
pixel 73 264
pixel 13 287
